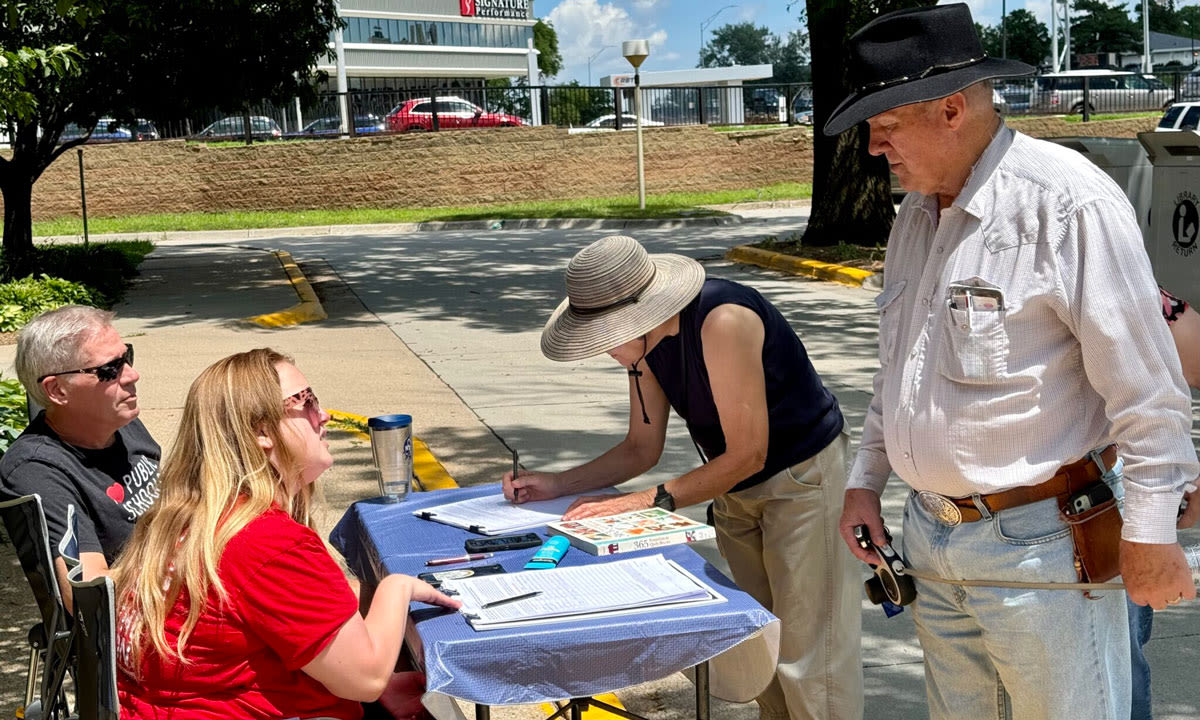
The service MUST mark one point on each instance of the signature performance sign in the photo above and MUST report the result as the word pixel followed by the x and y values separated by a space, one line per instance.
pixel 504 9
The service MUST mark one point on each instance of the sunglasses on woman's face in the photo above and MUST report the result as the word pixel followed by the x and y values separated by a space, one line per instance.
pixel 107 372
pixel 307 400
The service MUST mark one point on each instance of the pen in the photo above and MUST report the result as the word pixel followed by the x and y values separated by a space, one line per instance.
pixel 515 598
pixel 516 490
pixel 459 559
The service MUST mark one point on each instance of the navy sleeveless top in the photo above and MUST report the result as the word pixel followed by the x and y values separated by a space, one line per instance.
pixel 803 416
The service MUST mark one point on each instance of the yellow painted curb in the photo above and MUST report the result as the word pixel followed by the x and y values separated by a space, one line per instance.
pixel 432 473
pixel 309 308
pixel 798 266
pixel 591 713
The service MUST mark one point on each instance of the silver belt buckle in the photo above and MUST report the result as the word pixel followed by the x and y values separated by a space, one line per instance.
pixel 940 507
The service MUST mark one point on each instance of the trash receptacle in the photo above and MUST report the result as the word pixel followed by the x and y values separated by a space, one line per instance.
pixel 1126 162
pixel 1174 237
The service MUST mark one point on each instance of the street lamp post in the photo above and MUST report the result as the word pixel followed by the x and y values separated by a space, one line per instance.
pixel 704 25
pixel 593 57
pixel 636 52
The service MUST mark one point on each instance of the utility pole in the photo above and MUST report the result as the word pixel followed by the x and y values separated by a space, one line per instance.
pixel 1060 60
pixel 1004 29
pixel 1147 63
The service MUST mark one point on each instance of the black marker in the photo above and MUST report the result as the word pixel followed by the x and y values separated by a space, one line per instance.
pixel 514 598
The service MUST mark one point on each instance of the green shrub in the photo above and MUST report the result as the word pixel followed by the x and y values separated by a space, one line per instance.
pixel 13 412
pixel 104 267
pixel 21 299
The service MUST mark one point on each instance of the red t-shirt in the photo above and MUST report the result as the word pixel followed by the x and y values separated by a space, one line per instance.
pixel 287 599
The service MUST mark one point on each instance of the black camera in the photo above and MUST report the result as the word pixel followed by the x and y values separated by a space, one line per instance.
pixel 889 583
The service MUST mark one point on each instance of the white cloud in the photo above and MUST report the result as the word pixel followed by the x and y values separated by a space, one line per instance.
pixel 585 27
pixel 648 4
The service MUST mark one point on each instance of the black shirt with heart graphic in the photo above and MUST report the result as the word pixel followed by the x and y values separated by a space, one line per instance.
pixel 105 490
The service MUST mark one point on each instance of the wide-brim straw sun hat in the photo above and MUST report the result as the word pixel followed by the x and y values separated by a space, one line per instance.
pixel 914 55
pixel 617 292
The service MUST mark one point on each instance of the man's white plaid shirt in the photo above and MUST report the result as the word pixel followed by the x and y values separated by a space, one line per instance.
pixel 979 400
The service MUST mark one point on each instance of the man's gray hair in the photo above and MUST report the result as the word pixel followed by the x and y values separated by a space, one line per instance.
pixel 52 342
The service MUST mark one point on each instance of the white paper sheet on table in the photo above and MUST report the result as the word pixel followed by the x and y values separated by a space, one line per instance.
pixel 495 515
pixel 602 589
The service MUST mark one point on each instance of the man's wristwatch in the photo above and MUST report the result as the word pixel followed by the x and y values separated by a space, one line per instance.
pixel 664 499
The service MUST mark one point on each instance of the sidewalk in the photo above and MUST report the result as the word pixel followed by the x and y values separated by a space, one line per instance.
pixel 185 311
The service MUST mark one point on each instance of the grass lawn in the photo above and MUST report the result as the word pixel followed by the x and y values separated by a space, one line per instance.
pixel 1097 117
pixel 669 205
pixel 850 255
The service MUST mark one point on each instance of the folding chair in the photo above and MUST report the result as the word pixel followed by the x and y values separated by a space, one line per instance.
pixel 95 650
pixel 49 640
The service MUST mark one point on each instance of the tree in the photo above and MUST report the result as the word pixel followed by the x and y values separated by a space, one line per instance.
pixel 1189 20
pixel 545 41
pixel 146 58
pixel 738 44
pixel 16 68
pixel 1100 28
pixel 575 105
pixel 1164 18
pixel 852 199
pixel 1028 38
pixel 790 59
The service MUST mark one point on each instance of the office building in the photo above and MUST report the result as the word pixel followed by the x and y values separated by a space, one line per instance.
pixel 399 45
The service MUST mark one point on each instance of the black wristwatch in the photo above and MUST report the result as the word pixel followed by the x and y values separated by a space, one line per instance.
pixel 664 499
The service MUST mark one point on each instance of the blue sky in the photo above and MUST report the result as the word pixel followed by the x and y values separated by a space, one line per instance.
pixel 585 27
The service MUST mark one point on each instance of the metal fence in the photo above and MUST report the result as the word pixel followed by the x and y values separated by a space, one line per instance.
pixel 599 109
pixel 578 108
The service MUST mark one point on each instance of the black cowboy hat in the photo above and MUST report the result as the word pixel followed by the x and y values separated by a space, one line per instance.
pixel 910 56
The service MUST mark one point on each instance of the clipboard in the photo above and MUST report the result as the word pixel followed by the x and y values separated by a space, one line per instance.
pixel 495 515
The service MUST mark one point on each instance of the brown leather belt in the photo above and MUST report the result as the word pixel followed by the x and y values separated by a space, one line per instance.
pixel 1068 480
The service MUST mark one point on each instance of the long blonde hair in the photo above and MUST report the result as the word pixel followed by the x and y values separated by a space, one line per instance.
pixel 215 480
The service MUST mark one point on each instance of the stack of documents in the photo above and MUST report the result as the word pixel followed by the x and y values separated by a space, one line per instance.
pixel 612 588
pixel 495 515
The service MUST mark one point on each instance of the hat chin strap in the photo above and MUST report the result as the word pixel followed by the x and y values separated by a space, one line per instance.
pixel 635 374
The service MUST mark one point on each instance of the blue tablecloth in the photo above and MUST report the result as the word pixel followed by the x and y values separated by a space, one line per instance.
pixel 555 661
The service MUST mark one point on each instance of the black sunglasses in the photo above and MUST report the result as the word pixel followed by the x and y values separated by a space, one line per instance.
pixel 107 372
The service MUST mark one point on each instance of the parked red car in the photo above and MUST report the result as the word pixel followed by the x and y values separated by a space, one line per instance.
pixel 452 112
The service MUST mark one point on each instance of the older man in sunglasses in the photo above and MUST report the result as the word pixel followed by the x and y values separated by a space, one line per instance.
pixel 88 456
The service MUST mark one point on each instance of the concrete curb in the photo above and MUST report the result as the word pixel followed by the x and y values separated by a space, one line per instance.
pixel 400 228
pixel 810 268
pixel 432 473
pixel 309 308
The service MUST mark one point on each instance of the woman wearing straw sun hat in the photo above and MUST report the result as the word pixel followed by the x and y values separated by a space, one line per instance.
pixel 770 434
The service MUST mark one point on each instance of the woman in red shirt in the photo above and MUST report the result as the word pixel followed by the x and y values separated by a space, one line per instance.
pixel 277 633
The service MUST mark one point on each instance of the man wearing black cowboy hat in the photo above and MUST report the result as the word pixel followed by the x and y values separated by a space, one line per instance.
pixel 771 434
pixel 1018 340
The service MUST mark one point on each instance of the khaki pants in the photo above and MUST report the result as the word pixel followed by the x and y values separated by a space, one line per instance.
pixel 782 543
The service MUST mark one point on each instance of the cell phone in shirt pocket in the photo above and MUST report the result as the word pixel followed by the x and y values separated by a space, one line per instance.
pixel 961 296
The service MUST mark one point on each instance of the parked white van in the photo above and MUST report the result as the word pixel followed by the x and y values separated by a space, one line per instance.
pixel 1108 91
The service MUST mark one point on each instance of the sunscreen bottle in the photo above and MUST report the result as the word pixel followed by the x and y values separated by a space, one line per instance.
pixel 549 554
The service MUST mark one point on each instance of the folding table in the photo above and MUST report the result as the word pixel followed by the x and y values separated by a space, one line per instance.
pixel 549 662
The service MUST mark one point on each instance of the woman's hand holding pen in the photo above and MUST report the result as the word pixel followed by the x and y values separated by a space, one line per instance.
pixel 530 485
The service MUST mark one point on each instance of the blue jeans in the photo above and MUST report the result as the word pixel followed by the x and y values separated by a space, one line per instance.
pixel 1141 622
pixel 1037 654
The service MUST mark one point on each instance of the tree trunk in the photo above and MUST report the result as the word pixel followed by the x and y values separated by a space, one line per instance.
pixel 852 200
pixel 18 226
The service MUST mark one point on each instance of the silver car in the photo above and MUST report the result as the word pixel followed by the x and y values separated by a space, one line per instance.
pixel 1108 91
